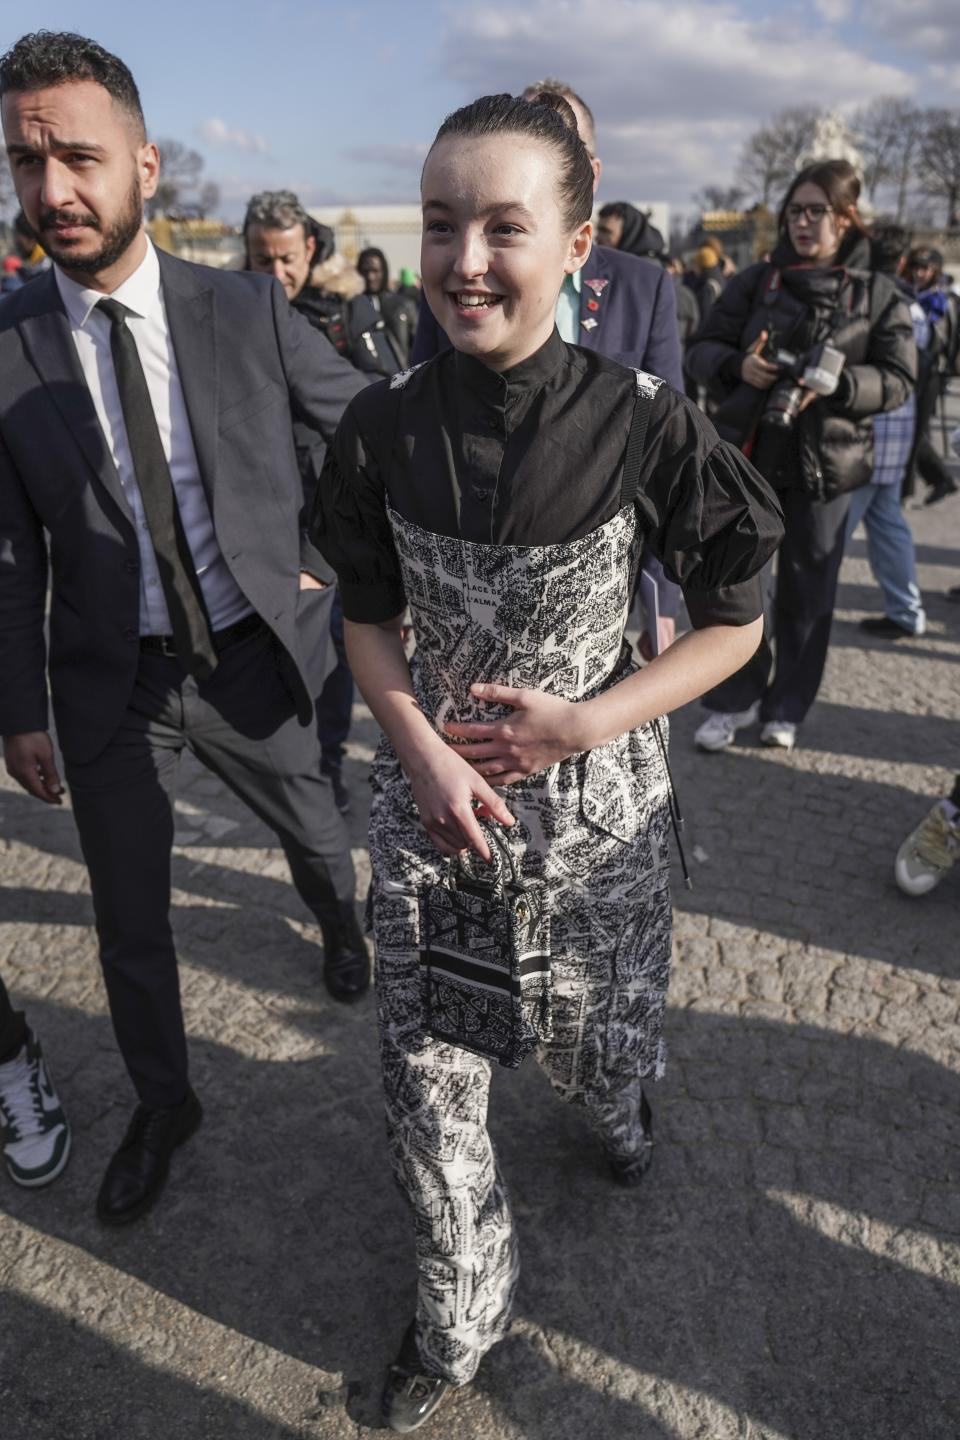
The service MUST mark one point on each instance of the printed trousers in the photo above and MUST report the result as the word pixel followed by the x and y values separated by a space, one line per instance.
pixel 611 940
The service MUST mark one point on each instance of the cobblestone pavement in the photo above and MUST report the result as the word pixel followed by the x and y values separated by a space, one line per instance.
pixel 790 1268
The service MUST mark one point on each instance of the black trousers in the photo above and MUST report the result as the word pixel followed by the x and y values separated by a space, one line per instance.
pixel 242 725
pixel 928 463
pixel 797 623
pixel 13 1027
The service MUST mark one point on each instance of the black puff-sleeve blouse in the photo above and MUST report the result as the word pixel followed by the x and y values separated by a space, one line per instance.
pixel 534 456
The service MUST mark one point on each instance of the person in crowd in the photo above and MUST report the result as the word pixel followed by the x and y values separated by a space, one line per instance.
pixel 283 240
pixel 708 275
pixel 502 490
pixel 879 505
pixel 623 227
pixel 924 271
pixel 399 314
pixel 932 848
pixel 145 424
pixel 688 316
pixel 799 352
pixel 621 306
pixel 34 1131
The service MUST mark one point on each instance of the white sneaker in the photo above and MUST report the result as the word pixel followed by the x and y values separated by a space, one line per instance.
pixel 929 851
pixel 34 1131
pixel 719 729
pixel 779 732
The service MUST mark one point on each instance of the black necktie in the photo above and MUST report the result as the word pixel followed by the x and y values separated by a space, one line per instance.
pixel 192 634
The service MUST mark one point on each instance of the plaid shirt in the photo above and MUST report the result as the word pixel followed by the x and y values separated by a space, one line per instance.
pixel 893 431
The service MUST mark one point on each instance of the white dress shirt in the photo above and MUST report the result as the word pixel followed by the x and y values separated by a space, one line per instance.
pixel 142 294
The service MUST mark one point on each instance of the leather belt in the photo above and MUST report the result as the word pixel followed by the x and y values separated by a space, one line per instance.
pixel 222 639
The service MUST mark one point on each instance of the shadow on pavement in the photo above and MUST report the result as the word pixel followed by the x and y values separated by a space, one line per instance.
pixel 75 1385
pixel 249 922
pixel 811 858
pixel 777 1262
pixel 924 554
pixel 891 735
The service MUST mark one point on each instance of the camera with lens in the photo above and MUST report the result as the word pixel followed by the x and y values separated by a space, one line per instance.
pixel 819 368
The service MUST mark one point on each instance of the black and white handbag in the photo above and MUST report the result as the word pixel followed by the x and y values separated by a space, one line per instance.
pixel 485 956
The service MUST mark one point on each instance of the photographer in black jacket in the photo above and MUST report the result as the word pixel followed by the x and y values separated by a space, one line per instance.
pixel 799 352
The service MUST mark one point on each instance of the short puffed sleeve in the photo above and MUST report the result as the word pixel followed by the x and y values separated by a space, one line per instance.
pixel 710 518
pixel 349 523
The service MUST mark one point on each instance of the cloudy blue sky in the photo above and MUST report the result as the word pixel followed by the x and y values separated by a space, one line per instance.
pixel 340 100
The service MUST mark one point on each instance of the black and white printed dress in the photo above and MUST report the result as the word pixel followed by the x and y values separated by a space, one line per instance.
pixel 491 505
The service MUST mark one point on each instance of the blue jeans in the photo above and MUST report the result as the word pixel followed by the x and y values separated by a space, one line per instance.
pixel 890 551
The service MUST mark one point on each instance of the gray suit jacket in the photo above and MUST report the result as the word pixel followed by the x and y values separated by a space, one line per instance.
pixel 248 365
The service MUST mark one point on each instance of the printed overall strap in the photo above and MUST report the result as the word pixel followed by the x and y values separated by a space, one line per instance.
pixel 630 482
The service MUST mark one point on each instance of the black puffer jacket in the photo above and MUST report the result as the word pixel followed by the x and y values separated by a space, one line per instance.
pixel 830 450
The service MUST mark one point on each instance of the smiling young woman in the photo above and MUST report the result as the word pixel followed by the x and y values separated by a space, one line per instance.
pixel 502 491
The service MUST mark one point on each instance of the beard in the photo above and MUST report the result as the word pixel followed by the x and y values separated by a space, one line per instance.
pixel 116 237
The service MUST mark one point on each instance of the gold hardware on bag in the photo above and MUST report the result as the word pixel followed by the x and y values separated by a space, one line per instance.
pixel 521 911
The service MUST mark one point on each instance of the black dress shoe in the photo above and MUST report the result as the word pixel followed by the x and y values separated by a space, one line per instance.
pixel 630 1172
pixel 887 629
pixel 410 1397
pixel 138 1171
pixel 940 489
pixel 346 964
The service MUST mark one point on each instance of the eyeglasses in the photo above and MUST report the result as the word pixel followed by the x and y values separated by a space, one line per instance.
pixel 813 213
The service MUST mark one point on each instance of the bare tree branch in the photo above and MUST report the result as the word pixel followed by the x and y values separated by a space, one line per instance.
pixel 209 198
pixel 180 170
pixel 939 161
pixel 720 197
pixel 888 133
pixel 770 156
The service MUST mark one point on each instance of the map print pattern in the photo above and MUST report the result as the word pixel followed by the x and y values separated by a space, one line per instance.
pixel 594 828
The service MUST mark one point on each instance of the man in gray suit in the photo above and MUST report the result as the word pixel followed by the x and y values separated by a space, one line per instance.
pixel 146 424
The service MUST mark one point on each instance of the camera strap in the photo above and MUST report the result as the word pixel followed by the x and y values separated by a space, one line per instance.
pixel 630 481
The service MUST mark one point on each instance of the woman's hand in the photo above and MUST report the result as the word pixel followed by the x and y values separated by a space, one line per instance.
pixel 445 789
pixel 755 370
pixel 542 730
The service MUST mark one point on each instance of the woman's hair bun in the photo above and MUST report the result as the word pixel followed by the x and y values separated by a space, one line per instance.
pixel 560 106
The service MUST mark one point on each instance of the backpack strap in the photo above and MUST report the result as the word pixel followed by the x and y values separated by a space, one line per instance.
pixel 646 388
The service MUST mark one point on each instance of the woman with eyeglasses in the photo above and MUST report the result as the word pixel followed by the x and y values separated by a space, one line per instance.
pixel 798 352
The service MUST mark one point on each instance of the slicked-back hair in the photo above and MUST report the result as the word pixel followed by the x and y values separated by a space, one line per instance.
pixel 58 57
pixel 276 210
pixel 546 118
pixel 552 86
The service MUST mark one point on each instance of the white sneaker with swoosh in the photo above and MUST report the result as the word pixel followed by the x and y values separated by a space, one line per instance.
pixel 34 1131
